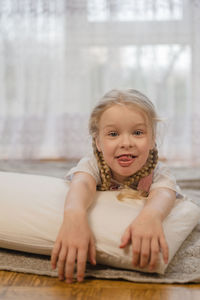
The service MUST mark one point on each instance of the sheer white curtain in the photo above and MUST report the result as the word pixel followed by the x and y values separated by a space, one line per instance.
pixel 58 57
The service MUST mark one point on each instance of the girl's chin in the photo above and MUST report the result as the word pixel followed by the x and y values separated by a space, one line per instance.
pixel 122 176
pixel 124 173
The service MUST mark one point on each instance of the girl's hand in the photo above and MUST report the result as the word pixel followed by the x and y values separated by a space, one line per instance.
pixel 75 241
pixel 147 238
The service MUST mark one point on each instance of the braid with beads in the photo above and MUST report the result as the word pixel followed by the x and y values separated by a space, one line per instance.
pixel 145 171
pixel 104 170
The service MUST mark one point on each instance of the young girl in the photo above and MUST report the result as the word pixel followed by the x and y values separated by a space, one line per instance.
pixel 123 129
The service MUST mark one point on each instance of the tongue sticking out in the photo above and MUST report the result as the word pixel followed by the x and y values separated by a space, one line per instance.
pixel 125 157
pixel 125 160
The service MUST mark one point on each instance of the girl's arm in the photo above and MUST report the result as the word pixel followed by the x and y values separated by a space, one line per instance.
pixel 146 231
pixel 75 240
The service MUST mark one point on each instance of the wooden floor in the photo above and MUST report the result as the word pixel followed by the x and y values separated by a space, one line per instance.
pixel 18 286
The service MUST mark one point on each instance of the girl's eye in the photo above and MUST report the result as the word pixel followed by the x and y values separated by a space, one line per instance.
pixel 138 132
pixel 113 133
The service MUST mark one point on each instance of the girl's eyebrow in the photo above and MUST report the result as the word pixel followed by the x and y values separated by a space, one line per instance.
pixel 140 124
pixel 110 125
pixel 135 125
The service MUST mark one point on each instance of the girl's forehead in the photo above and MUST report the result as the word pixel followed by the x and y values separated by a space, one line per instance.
pixel 120 111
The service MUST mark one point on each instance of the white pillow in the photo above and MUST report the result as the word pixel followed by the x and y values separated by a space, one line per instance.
pixel 32 210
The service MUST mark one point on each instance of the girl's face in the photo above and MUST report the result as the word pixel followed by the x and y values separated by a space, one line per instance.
pixel 124 139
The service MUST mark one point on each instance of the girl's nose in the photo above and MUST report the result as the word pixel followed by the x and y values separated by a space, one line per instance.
pixel 126 141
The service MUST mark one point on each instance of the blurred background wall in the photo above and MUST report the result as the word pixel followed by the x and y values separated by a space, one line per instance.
pixel 58 57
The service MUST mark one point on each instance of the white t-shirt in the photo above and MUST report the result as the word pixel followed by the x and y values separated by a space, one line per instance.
pixel 162 176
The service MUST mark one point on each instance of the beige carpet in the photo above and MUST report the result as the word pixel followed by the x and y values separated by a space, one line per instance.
pixel 184 268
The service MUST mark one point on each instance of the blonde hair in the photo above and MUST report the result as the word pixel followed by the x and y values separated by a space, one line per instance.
pixel 128 97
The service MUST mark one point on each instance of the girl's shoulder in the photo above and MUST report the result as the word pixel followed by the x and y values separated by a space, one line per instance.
pixel 88 161
pixel 163 177
pixel 163 172
pixel 87 164
pixel 163 169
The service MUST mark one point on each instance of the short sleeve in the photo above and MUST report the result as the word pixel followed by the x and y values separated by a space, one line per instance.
pixel 164 178
pixel 87 165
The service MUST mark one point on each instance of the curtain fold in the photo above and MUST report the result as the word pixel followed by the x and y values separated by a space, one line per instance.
pixel 57 58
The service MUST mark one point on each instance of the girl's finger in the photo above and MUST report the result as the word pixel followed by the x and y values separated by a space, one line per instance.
pixel 81 263
pixel 92 251
pixel 154 253
pixel 145 252
pixel 55 254
pixel 164 249
pixel 126 238
pixel 70 264
pixel 136 247
pixel 61 262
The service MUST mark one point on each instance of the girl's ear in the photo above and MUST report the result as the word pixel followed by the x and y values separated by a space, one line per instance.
pixel 97 144
pixel 153 143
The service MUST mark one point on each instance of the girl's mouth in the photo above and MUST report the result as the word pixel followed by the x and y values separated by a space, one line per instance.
pixel 125 160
